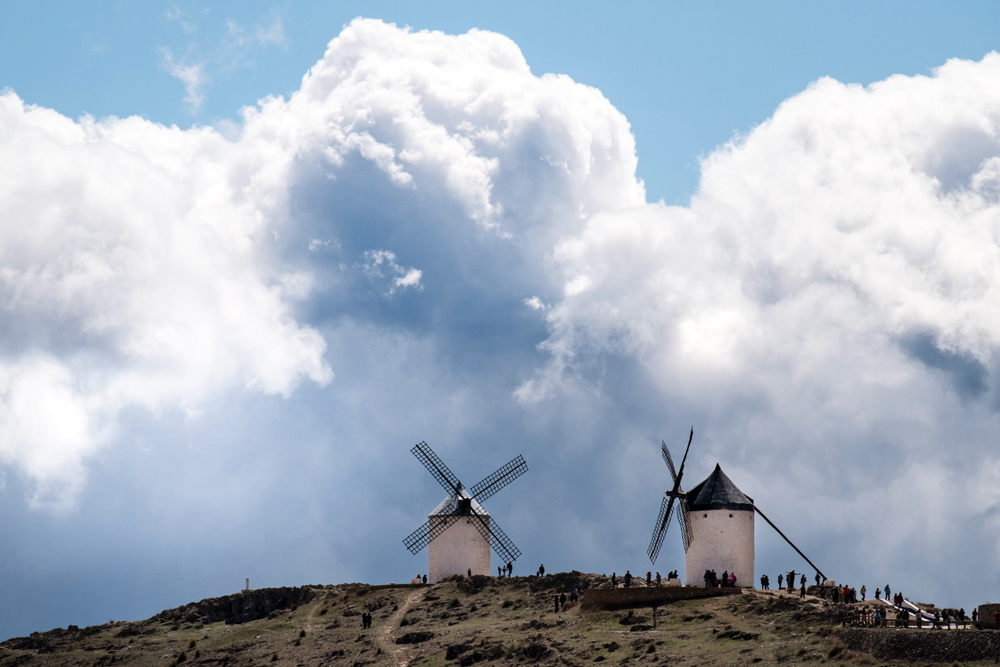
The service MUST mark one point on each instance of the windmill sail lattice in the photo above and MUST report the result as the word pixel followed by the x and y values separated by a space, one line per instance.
pixel 466 503
pixel 667 507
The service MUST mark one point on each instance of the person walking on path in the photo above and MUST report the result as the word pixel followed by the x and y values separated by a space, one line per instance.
pixel 863 589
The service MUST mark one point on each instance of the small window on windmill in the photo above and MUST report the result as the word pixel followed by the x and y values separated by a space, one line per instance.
pixel 704 516
pixel 730 516
pixel 464 505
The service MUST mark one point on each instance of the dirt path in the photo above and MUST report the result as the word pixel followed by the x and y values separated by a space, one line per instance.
pixel 385 637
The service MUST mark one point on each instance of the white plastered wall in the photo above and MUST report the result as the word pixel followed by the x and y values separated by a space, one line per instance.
pixel 457 550
pixel 723 541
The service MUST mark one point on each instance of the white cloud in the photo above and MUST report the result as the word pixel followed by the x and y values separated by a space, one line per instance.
pixel 193 77
pixel 133 272
pixel 828 298
pixel 825 305
pixel 379 264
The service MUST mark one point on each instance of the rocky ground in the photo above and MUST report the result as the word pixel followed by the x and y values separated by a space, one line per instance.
pixel 463 622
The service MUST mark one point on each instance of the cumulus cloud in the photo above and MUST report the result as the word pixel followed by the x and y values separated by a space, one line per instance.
pixel 160 266
pixel 131 274
pixel 827 299
pixel 823 307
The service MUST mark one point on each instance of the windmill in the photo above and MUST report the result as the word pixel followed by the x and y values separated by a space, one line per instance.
pixel 716 523
pixel 459 532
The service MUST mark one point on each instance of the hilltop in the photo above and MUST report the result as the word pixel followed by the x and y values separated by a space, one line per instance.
pixel 460 622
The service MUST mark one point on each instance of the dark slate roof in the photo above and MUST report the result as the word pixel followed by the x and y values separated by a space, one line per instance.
pixel 450 504
pixel 718 492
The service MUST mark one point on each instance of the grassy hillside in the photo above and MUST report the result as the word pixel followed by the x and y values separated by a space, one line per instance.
pixel 461 623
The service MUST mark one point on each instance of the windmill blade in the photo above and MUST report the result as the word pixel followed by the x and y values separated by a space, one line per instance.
pixel 680 472
pixel 436 467
pixel 669 461
pixel 422 536
pixel 682 518
pixel 506 474
pixel 660 530
pixel 502 544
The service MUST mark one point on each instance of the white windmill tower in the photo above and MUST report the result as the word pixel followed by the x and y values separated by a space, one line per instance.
pixel 459 531
pixel 721 519
pixel 717 525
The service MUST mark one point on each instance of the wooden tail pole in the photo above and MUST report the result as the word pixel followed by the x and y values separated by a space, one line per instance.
pixel 771 523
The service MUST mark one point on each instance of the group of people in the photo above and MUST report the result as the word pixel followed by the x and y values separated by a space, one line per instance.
pixel 505 570
pixel 712 580
pixel 366 620
pixel 627 579
pixel 560 599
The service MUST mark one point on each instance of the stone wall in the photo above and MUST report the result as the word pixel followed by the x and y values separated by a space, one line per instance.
pixel 623 598
pixel 986 612
pixel 923 645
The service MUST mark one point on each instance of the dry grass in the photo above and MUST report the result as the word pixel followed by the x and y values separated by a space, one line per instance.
pixel 462 623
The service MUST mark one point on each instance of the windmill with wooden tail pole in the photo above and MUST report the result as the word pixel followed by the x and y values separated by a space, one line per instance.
pixel 459 532
pixel 716 524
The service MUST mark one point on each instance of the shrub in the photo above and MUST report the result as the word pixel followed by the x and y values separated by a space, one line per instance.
pixel 302 633
pixel 191 644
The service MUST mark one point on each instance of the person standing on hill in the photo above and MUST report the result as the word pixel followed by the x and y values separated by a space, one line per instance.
pixel 878 591
pixel 887 591
pixel 657 578
pixel 802 591
pixel 614 580
pixel 628 578
pixel 802 582
pixel 817 579
pixel 649 578
pixel 863 589
pixel 780 579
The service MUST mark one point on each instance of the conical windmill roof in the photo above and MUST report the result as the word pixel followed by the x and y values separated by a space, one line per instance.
pixel 450 504
pixel 718 492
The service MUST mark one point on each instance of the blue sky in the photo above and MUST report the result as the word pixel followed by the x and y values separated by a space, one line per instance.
pixel 223 331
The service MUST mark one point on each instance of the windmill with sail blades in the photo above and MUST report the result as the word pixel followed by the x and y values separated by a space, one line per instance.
pixel 459 532
pixel 716 525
